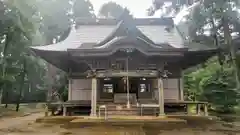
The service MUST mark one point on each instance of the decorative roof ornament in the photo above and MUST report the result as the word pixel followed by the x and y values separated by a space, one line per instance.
pixel 127 50
pixel 163 72
pixel 127 23
pixel 125 16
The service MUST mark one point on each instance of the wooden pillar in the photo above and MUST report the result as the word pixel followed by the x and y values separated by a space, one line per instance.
pixel 46 110
pixel 205 109
pixel 64 111
pixel 160 97
pixel 181 89
pixel 94 97
pixel 198 109
pixel 70 89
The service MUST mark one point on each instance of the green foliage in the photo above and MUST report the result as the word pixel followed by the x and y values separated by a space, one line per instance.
pixel 27 23
pixel 32 22
pixel 214 84
pixel 19 70
pixel 82 8
pixel 58 16
pixel 212 23
pixel 111 10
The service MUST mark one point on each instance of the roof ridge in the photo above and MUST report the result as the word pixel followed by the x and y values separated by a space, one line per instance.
pixel 125 28
pixel 137 21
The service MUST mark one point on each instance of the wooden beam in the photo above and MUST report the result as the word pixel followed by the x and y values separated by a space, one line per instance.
pixel 118 73
pixel 140 73
pixel 77 75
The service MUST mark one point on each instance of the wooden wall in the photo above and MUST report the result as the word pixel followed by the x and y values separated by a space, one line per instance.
pixel 81 89
pixel 172 89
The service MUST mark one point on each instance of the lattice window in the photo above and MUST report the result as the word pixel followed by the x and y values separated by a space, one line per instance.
pixel 108 88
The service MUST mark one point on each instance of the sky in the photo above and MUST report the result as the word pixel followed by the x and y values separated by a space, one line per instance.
pixel 137 7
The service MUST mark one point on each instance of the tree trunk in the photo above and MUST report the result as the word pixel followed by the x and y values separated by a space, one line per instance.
pixel 50 80
pixel 228 42
pixel 6 99
pixel 22 77
pixel 1 95
pixel 6 105
pixel 5 48
pixel 216 42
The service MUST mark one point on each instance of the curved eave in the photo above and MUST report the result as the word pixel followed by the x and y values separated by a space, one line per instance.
pixel 111 36
pixel 193 58
pixel 127 42
pixel 57 58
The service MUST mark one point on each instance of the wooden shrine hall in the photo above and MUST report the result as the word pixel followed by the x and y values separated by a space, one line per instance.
pixel 126 66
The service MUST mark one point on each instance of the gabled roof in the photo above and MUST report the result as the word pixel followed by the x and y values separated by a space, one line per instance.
pixel 101 37
pixel 99 32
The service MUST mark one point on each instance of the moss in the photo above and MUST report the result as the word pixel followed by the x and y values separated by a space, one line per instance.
pixel 168 122
pixel 191 108
pixel 25 109
pixel 197 121
pixel 56 119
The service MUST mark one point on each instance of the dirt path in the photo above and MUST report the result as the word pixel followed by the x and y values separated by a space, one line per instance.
pixel 9 126
pixel 26 126
pixel 15 122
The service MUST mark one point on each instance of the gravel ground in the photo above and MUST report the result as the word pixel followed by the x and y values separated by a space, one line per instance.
pixel 26 126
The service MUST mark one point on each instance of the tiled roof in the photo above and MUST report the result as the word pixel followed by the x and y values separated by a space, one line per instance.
pixel 93 33
pixel 159 35
pixel 87 36
pixel 81 37
pixel 193 46
pixel 101 34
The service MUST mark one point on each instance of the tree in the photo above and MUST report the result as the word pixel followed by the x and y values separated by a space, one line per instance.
pixel 175 7
pixel 26 23
pixel 111 10
pixel 214 85
pixel 55 26
pixel 17 33
pixel 220 16
pixel 213 23
pixel 59 15
pixel 83 9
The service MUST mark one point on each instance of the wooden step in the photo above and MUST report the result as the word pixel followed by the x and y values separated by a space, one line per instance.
pixel 112 113
pixel 120 109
